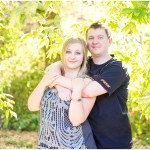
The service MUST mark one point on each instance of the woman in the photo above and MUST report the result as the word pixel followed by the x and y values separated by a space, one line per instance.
pixel 64 123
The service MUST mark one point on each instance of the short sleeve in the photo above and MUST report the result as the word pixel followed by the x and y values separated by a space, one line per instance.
pixel 111 78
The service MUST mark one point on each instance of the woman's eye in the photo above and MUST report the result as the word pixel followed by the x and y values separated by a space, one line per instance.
pixel 78 53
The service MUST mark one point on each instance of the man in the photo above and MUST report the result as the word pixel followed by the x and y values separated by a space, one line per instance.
pixel 109 117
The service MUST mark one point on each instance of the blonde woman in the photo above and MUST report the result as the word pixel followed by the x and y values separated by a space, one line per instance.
pixel 64 124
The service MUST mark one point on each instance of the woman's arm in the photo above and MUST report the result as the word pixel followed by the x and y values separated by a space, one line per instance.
pixel 34 100
pixel 79 107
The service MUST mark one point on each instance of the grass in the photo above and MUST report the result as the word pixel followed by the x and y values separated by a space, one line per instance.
pixel 18 140
pixel 29 140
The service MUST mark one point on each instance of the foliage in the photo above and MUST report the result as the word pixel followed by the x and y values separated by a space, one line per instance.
pixel 6 105
pixel 31 35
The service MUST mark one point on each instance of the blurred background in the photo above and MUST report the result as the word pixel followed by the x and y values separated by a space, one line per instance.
pixel 31 36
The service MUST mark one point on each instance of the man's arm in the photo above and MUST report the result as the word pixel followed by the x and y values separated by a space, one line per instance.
pixel 64 93
pixel 63 81
pixel 54 68
pixel 93 89
pixel 110 79
pixel 34 100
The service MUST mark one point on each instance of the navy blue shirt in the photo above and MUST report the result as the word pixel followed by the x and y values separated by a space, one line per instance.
pixel 109 117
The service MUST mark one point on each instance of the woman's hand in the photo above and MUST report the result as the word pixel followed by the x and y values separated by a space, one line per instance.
pixel 77 87
pixel 78 84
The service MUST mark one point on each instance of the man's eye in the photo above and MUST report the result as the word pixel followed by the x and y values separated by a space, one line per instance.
pixel 100 38
pixel 68 52
pixel 91 38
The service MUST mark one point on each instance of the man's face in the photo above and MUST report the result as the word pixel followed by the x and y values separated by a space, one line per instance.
pixel 98 42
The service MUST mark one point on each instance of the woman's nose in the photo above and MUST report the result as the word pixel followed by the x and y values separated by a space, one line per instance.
pixel 72 56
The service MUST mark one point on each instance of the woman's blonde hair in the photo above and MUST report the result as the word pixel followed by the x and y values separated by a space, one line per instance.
pixel 66 44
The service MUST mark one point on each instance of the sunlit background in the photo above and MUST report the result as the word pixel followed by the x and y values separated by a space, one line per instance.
pixel 31 37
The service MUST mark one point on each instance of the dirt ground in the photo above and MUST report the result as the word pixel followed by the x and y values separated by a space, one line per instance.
pixel 28 140
pixel 18 140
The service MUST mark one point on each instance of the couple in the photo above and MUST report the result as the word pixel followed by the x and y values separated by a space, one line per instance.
pixel 78 81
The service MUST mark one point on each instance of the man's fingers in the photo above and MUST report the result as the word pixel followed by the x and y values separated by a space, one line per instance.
pixel 53 81
pixel 64 97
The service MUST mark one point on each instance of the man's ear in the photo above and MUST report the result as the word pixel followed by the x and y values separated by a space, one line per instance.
pixel 110 40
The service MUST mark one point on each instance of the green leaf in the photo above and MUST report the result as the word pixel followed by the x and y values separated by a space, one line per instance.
pixel 145 99
pixel 1 25
pixel 15 17
pixel 47 4
pixel 2 38
pixel 113 25
pixel 7 95
pixel 13 114
pixel 127 11
pixel 136 12
pixel 22 18
pixel 29 7
pixel 57 21
pixel 130 27
pixel 7 113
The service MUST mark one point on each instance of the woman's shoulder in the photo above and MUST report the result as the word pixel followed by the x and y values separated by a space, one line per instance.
pixel 85 76
pixel 87 79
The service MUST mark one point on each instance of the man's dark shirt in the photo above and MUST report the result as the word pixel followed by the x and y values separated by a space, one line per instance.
pixel 109 116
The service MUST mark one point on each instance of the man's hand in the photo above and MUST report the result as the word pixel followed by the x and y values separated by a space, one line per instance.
pixel 54 83
pixel 64 93
pixel 48 78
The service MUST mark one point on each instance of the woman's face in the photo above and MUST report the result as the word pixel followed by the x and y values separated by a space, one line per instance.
pixel 74 56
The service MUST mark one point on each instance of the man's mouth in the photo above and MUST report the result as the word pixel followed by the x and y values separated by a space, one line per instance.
pixel 95 47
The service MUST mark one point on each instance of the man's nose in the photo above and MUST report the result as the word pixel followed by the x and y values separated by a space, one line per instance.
pixel 95 41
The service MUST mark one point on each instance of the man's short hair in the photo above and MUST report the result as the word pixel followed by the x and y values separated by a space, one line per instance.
pixel 97 25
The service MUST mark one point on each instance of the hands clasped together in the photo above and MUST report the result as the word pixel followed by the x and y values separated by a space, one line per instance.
pixel 75 85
